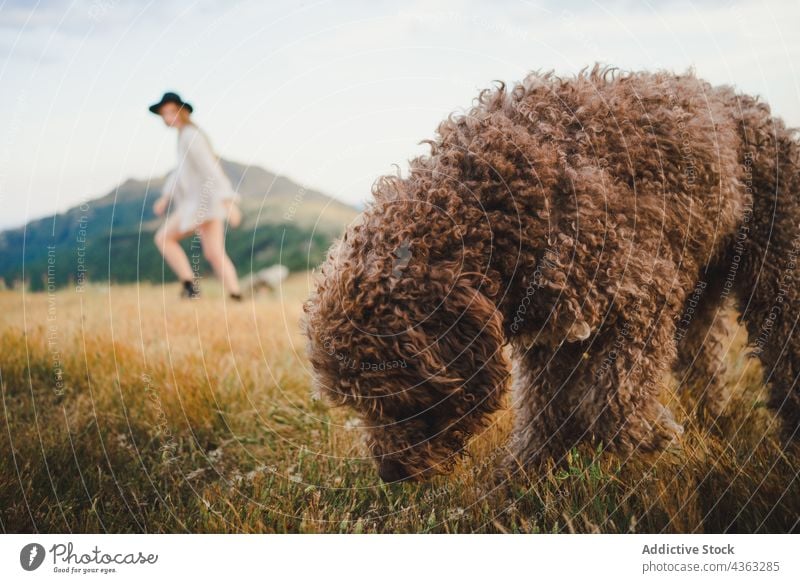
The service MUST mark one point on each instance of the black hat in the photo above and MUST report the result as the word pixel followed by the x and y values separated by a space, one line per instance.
pixel 170 97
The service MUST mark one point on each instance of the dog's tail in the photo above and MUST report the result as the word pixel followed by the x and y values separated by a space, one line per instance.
pixel 764 257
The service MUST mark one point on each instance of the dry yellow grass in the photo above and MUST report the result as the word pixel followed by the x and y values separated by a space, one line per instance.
pixel 128 410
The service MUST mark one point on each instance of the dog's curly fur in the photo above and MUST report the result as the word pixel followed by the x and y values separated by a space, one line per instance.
pixel 576 220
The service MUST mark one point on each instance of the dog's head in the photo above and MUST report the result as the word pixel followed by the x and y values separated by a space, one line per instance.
pixel 416 351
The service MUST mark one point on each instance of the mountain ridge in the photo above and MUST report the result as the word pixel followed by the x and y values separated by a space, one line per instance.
pixel 282 222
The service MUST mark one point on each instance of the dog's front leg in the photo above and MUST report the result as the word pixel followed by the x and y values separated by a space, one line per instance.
pixel 545 424
pixel 604 389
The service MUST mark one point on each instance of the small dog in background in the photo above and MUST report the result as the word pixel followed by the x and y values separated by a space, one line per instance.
pixel 266 280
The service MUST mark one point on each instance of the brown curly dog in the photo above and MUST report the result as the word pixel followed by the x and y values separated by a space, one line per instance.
pixel 595 224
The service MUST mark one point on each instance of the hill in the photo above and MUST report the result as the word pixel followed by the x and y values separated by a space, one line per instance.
pixel 111 238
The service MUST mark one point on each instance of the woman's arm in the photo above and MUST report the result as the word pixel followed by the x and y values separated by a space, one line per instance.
pixel 167 192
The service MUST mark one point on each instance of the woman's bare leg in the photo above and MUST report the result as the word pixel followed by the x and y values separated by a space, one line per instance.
pixel 167 240
pixel 212 237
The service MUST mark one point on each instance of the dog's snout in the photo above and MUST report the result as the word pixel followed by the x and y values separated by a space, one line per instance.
pixel 392 471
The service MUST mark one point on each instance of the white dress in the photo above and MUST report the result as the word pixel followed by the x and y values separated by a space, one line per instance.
pixel 198 185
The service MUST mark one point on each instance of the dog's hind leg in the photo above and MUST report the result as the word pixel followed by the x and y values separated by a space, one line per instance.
pixel 703 337
pixel 768 260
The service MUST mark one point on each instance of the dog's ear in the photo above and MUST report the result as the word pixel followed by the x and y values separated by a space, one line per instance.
pixel 460 356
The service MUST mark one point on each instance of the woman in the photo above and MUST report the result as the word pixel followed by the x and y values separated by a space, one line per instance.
pixel 202 198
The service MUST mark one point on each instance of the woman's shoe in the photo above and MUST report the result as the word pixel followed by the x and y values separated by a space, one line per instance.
pixel 190 290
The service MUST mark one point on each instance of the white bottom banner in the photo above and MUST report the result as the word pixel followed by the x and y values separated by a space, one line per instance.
pixel 354 558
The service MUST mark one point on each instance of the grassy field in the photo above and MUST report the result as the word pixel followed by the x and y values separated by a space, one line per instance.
pixel 128 410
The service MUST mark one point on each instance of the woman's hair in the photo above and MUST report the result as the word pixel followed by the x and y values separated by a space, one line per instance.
pixel 185 115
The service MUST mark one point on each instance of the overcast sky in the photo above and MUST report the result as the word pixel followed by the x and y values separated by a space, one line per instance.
pixel 331 94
